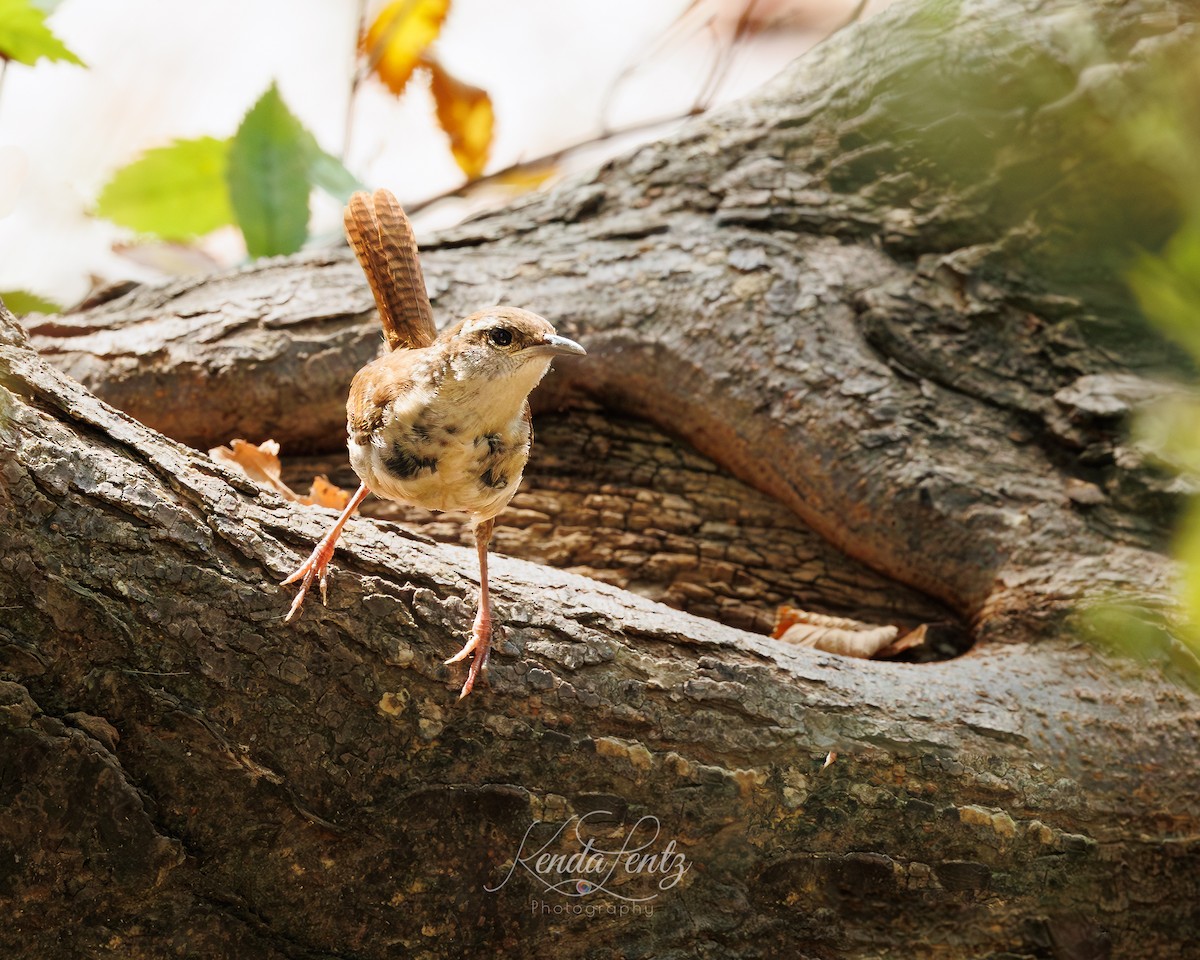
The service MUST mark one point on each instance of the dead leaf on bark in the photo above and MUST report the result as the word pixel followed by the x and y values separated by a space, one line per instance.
pixel 261 464
pixel 840 635
pixel 322 493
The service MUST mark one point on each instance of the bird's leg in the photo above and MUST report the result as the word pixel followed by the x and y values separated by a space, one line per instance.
pixel 480 643
pixel 318 560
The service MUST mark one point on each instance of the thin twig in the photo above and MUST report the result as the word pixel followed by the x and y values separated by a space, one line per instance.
pixel 3 73
pixel 701 105
pixel 356 79
pixel 726 55
pixel 548 159
pixel 649 50
pixel 855 16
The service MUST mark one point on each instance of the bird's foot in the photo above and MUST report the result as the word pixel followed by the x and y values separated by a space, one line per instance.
pixel 315 567
pixel 480 645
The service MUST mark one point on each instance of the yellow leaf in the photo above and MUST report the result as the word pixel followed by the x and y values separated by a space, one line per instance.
pixel 465 113
pixel 395 42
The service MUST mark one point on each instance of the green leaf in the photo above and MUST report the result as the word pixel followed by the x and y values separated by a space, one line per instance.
pixel 1119 624
pixel 175 192
pixel 21 302
pixel 24 36
pixel 1168 287
pixel 1168 430
pixel 268 176
pixel 274 164
pixel 1187 549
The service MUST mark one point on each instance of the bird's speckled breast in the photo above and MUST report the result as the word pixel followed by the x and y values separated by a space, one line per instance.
pixel 432 453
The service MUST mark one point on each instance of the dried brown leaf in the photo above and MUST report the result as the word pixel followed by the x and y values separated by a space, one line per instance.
pixel 526 177
pixel 914 638
pixel 850 638
pixel 261 464
pixel 325 494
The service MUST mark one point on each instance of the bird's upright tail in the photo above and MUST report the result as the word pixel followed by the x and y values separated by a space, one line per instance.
pixel 383 240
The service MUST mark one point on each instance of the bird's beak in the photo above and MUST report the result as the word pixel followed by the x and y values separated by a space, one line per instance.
pixel 553 345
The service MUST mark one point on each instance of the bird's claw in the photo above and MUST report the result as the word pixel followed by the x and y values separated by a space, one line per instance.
pixel 480 645
pixel 315 567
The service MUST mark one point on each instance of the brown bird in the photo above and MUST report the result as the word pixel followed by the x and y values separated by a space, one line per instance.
pixel 441 422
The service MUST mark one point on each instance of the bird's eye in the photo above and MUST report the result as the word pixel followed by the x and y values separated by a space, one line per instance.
pixel 500 337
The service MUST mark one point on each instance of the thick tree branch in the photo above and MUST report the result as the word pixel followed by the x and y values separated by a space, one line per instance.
pixel 290 782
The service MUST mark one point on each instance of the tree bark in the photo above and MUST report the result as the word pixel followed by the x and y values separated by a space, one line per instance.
pixel 869 299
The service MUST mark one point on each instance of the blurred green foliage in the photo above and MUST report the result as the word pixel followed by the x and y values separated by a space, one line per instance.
pixel 268 178
pixel 25 38
pixel 1062 163
pixel 1165 135
pixel 260 180
pixel 20 302
pixel 175 192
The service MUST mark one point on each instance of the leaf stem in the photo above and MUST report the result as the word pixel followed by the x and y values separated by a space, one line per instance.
pixel 356 78
pixel 554 156
pixel 3 74
pixel 726 54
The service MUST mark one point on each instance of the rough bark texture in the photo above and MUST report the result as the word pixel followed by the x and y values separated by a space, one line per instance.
pixel 926 362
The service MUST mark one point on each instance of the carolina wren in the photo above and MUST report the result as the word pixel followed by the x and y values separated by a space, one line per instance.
pixel 441 422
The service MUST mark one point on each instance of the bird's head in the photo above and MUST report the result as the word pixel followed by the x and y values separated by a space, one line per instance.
pixel 505 343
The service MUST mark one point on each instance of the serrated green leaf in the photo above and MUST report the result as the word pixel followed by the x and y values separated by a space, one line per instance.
pixel 175 192
pixel 21 302
pixel 24 36
pixel 327 172
pixel 268 178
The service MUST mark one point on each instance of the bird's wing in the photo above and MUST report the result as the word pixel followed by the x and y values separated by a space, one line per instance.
pixel 383 241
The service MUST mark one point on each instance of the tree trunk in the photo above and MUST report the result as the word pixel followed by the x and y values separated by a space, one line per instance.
pixel 859 342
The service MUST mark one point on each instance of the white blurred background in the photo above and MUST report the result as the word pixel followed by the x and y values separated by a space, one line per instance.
pixel 558 72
